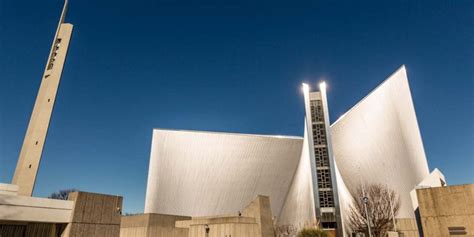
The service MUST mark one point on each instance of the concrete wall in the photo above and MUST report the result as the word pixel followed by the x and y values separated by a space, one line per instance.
pixel 443 208
pixel 260 209
pixel 226 227
pixel 94 215
pixel 256 221
pixel 23 229
pixel 155 225
pixel 8 189
pixel 407 227
pixel 84 214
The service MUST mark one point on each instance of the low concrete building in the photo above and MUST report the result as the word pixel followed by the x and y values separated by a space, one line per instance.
pixel 84 214
pixel 156 225
pixel 30 216
pixel 447 211
pixel 25 209
pixel 255 220
pixel 221 226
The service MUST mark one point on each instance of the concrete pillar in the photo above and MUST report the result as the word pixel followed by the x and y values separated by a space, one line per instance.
pixel 260 209
pixel 35 138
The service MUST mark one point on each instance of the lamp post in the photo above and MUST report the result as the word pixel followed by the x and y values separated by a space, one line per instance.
pixel 393 215
pixel 366 200
pixel 206 228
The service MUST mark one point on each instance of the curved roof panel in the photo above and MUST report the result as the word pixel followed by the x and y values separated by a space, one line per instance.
pixel 378 141
pixel 194 173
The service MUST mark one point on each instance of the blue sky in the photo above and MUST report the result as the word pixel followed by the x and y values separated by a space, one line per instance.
pixel 233 66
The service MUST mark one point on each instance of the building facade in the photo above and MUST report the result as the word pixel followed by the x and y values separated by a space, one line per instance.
pixel 311 180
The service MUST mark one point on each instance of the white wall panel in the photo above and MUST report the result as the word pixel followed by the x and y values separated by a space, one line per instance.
pixel 345 200
pixel 299 210
pixel 378 141
pixel 195 173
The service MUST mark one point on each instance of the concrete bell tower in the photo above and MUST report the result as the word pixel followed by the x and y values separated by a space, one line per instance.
pixel 35 138
pixel 323 171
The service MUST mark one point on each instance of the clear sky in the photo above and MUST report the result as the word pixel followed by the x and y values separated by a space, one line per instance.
pixel 233 66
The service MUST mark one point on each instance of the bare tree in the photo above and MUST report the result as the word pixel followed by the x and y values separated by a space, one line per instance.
pixel 381 201
pixel 285 231
pixel 62 194
pixel 131 214
pixel 294 230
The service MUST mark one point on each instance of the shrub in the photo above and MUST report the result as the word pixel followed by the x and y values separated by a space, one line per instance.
pixel 312 232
